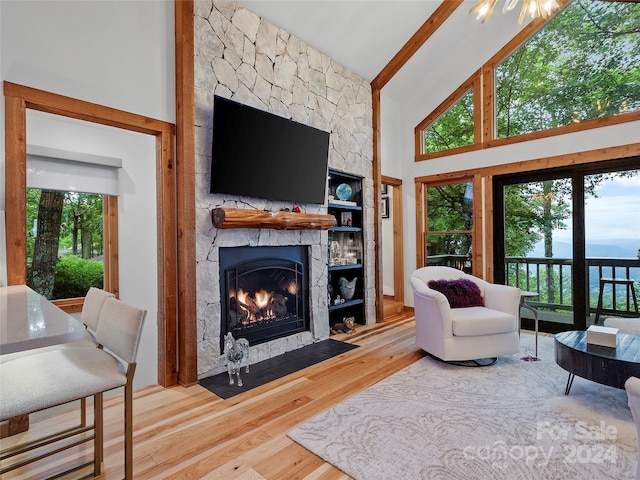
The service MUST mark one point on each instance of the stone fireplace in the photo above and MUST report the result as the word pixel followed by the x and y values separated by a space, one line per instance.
pixel 240 56
pixel 264 292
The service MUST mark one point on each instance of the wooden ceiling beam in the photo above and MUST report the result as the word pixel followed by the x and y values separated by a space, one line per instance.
pixel 418 39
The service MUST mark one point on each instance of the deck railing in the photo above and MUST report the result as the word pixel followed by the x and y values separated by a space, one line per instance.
pixel 551 279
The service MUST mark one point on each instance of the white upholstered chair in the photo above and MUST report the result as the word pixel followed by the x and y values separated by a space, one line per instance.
pixel 632 386
pixel 54 377
pixel 91 308
pixel 471 333
pixel 93 303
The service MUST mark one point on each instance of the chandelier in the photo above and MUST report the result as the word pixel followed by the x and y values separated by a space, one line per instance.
pixel 536 8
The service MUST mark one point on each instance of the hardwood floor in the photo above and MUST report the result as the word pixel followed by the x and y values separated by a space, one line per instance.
pixel 190 433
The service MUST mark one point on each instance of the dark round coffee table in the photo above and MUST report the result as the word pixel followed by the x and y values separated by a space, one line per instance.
pixel 604 365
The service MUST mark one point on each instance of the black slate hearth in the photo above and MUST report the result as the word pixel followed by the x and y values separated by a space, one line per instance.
pixel 276 367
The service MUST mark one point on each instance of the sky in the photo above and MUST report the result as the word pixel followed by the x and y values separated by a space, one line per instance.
pixel 614 215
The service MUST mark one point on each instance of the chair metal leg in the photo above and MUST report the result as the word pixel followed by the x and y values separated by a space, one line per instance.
pixel 83 412
pixel 128 424
pixel 98 439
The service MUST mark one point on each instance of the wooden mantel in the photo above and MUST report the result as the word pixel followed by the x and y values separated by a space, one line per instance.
pixel 244 218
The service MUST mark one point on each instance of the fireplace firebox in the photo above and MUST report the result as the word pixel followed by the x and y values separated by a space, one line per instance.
pixel 264 292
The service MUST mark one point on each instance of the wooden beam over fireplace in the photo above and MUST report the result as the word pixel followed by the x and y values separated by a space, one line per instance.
pixel 245 218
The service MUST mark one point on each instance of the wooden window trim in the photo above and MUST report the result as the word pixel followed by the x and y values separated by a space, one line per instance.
pixel 18 99
pixel 421 185
pixel 110 247
pixel 473 82
pixel 483 239
pixel 485 108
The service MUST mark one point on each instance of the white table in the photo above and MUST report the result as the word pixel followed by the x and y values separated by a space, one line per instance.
pixel 524 296
pixel 28 320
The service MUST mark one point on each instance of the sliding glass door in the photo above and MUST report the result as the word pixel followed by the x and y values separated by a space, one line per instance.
pixel 558 232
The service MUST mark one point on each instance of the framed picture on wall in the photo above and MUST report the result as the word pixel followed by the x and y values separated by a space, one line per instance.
pixel 383 189
pixel 384 207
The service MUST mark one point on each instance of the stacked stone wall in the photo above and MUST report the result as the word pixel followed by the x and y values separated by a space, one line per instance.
pixel 241 56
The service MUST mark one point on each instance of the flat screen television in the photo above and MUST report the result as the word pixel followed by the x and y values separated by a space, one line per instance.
pixel 259 154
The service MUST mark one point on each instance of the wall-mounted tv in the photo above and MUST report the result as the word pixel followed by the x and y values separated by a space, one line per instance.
pixel 259 154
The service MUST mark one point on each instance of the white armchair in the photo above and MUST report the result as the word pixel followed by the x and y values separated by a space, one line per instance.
pixel 632 386
pixel 471 333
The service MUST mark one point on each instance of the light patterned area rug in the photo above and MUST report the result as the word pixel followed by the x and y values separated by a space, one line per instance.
pixel 508 421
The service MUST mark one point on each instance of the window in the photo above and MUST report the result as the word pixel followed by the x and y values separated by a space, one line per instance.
pixel 71 224
pixel 557 232
pixel 455 128
pixel 454 125
pixel 582 65
pixel 580 70
pixel 448 237
pixel 65 242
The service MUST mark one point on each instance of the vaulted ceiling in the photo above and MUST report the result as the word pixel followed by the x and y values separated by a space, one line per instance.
pixel 364 35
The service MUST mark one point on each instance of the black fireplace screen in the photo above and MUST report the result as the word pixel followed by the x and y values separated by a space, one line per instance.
pixel 264 298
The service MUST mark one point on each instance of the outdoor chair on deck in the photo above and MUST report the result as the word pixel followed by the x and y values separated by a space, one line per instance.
pixel 40 381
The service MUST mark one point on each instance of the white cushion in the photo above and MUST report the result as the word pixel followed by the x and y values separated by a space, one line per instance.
pixel 51 378
pixel 624 325
pixel 473 321
pixel 86 341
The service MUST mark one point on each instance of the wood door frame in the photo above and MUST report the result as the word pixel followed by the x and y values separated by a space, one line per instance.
pixel 398 236
pixel 20 98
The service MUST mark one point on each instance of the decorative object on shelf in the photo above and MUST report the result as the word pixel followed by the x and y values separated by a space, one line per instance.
pixel 346 219
pixel 347 325
pixel 296 209
pixel 347 287
pixel 384 207
pixel 335 253
pixel 353 252
pixel 536 8
pixel 346 255
pixel 344 191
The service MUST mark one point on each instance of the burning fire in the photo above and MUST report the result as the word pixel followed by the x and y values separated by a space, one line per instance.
pixel 262 305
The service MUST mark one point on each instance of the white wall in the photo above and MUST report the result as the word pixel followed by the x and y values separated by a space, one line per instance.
pixel 118 54
pixel 388 252
pixel 136 213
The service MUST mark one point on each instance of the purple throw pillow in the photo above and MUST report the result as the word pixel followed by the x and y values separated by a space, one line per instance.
pixel 460 292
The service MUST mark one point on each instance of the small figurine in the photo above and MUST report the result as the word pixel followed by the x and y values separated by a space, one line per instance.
pixel 347 326
pixel 296 209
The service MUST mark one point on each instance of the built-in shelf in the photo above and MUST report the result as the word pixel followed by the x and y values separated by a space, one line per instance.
pixel 346 245
pixel 345 267
pixel 349 303
pixel 245 218
pixel 345 207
